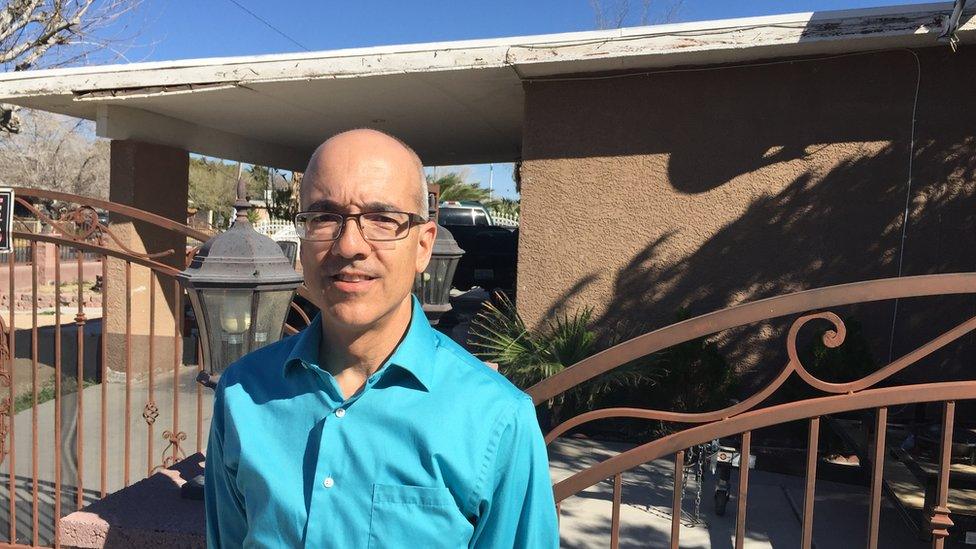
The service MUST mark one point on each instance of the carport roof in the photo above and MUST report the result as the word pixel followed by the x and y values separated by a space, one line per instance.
pixel 455 102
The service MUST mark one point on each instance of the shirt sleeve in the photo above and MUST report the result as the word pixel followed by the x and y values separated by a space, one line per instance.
pixel 226 517
pixel 517 507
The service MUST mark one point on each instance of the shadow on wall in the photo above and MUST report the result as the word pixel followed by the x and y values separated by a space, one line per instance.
pixel 839 131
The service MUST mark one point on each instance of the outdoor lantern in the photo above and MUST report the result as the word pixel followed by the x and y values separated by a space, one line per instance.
pixel 433 286
pixel 240 285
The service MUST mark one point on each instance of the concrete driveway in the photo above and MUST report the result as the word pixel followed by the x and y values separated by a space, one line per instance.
pixel 773 514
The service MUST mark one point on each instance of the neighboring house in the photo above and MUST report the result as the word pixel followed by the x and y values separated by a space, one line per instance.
pixel 684 166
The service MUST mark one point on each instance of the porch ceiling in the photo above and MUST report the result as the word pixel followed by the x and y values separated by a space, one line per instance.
pixel 455 102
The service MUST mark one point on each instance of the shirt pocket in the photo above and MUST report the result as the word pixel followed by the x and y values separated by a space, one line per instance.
pixel 416 517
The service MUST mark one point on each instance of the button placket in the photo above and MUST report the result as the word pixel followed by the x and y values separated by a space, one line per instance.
pixel 319 520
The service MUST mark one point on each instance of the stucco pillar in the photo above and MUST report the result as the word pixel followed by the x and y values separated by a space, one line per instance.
pixel 153 178
pixel 45 262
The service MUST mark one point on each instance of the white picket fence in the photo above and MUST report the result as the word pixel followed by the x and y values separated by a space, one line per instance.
pixel 272 226
pixel 505 220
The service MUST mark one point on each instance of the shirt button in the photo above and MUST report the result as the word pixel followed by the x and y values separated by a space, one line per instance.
pixel 340 412
pixel 328 482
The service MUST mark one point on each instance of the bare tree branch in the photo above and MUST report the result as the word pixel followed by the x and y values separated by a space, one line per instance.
pixel 52 33
pixel 623 7
pixel 608 14
pixel 671 13
pixel 645 12
pixel 598 19
pixel 57 153
pixel 17 15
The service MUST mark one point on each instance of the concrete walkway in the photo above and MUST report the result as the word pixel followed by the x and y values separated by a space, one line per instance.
pixel 773 515
pixel 146 444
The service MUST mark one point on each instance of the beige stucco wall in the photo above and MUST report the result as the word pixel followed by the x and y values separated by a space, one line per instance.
pixel 701 189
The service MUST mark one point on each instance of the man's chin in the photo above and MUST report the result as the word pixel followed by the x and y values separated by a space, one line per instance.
pixel 355 312
pixel 352 312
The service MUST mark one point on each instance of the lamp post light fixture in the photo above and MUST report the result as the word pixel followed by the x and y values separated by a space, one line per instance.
pixel 433 286
pixel 240 285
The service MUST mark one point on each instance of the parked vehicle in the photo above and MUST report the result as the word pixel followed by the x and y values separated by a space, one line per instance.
pixel 490 252
pixel 490 257
pixel 464 213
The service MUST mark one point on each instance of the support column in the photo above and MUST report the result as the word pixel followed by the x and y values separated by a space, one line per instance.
pixel 154 178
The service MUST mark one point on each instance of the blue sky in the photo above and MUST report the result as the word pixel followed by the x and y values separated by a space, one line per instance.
pixel 179 29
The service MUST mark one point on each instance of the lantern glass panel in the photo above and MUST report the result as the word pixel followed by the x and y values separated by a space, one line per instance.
pixel 439 280
pixel 228 315
pixel 272 311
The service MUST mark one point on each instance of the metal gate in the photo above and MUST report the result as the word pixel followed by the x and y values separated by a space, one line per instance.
pixel 873 392
pixel 97 362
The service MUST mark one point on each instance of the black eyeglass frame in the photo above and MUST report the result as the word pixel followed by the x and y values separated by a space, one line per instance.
pixel 413 220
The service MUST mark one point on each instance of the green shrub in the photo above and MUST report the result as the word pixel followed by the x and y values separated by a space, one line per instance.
pixel 689 377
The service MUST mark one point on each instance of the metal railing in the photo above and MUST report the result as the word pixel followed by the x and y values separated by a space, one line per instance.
pixel 97 367
pixel 745 417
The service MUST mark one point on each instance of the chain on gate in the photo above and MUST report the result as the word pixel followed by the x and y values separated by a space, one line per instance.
pixel 694 520
pixel 699 452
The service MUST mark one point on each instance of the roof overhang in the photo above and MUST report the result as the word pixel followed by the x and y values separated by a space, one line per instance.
pixel 455 102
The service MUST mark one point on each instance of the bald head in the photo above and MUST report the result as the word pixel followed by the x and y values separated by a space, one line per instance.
pixel 366 149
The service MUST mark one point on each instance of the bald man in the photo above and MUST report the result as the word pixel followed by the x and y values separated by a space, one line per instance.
pixel 369 428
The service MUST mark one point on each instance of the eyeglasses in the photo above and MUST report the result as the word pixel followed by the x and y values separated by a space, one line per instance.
pixel 374 226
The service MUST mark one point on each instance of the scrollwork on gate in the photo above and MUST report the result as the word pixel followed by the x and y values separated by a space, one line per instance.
pixel 867 392
pixel 82 224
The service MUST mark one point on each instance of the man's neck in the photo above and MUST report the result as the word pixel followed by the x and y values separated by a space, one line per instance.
pixel 353 355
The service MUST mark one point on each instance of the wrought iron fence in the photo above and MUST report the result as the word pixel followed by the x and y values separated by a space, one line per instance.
pixel 68 253
pixel 97 366
pixel 744 418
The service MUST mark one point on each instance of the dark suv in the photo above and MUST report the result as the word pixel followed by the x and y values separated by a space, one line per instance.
pixel 490 252
pixel 463 212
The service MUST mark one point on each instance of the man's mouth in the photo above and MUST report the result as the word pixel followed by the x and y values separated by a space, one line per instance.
pixel 352 282
pixel 347 277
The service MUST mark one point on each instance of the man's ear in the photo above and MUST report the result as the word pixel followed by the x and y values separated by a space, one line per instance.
pixel 427 233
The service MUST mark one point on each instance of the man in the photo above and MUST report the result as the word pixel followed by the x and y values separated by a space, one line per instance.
pixel 369 428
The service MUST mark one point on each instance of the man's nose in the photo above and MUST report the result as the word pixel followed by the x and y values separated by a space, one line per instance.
pixel 351 242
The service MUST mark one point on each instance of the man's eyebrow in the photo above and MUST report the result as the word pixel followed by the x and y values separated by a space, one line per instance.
pixel 380 207
pixel 323 206
pixel 326 205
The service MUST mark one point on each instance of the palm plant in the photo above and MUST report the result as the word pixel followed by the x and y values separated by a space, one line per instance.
pixel 454 186
pixel 505 206
pixel 526 356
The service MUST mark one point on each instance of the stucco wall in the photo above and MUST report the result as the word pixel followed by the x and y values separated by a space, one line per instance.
pixel 153 178
pixel 700 189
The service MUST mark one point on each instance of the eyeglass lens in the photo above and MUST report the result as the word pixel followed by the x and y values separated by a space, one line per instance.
pixel 374 225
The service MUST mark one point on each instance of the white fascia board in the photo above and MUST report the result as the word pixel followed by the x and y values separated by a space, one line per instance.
pixel 731 41
pixel 210 73
pixel 116 122
pixel 700 43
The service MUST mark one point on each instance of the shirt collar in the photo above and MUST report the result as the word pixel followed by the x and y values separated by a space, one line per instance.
pixel 306 348
pixel 414 353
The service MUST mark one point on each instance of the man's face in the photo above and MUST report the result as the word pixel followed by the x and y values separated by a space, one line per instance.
pixel 358 283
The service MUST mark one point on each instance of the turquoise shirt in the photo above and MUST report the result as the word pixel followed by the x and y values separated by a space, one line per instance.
pixel 436 450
